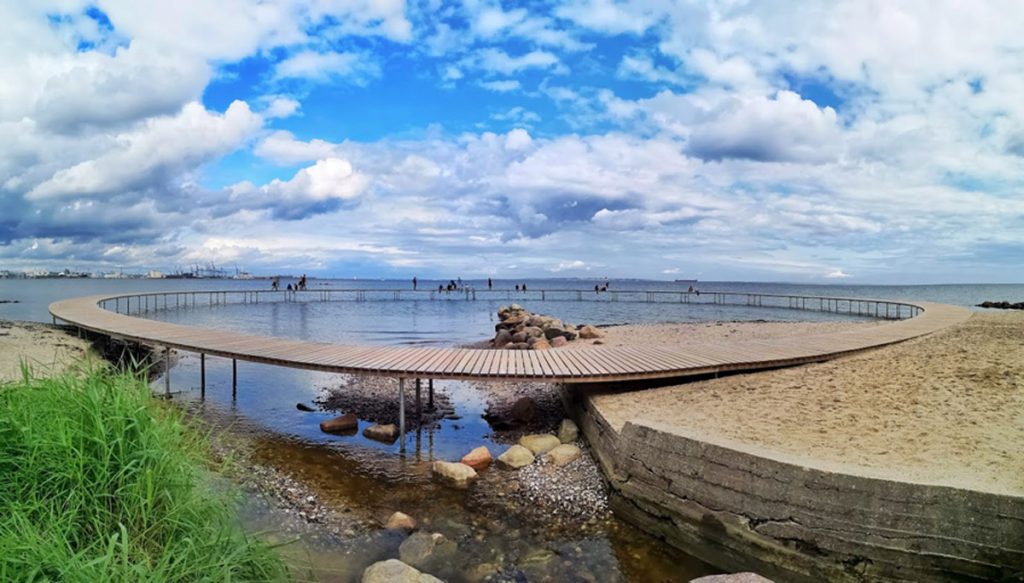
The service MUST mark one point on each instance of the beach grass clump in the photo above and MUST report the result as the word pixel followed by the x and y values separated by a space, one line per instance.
pixel 99 482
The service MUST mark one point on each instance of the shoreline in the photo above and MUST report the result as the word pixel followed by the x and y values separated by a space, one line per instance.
pixel 46 348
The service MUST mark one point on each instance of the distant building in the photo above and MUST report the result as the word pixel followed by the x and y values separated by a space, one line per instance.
pixel 155 275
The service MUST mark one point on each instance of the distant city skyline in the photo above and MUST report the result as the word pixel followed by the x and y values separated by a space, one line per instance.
pixel 813 142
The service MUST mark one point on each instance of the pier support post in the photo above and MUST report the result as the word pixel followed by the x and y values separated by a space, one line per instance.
pixel 401 413
pixel 234 378
pixel 167 371
pixel 202 375
pixel 419 404
pixel 430 394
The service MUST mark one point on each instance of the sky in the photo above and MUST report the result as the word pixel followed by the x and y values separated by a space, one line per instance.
pixel 835 141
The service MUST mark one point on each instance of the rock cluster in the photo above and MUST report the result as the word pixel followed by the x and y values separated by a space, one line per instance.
pixel 519 329
pixel 1002 305
pixel 420 551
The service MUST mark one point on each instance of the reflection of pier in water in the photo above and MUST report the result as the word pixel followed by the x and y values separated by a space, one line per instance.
pixel 111 315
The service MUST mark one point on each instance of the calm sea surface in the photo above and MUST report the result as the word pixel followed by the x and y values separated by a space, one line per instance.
pixel 265 406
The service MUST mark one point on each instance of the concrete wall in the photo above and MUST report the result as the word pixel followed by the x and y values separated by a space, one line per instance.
pixel 741 510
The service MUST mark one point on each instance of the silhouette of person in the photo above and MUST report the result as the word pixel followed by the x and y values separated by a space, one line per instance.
pixel 414 283
pixel 517 287
pixel 490 284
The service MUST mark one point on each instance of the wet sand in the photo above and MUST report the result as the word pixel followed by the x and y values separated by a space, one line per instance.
pixel 43 347
pixel 944 409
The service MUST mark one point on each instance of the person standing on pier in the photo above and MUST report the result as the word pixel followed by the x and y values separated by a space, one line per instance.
pixel 414 283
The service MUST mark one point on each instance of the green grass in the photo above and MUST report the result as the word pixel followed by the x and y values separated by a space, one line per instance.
pixel 98 482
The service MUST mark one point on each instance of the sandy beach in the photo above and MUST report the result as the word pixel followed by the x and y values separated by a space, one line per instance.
pixel 944 409
pixel 45 348
pixel 684 334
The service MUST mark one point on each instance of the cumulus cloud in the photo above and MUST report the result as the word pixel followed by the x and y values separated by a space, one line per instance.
pixel 156 152
pixel 498 61
pixel 502 86
pixel 281 147
pixel 323 187
pixel 574 265
pixel 280 107
pixel 784 128
pixel 316 66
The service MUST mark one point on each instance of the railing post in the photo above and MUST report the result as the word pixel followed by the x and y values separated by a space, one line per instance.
pixel 202 375
pixel 234 378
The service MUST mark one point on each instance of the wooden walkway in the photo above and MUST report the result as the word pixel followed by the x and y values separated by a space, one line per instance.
pixel 591 364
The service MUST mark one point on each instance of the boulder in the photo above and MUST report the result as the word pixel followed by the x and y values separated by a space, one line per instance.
pixel 512 308
pixel 395 571
pixel 347 423
pixel 537 321
pixel 481 572
pixel 558 341
pixel 553 332
pixel 540 344
pixel 383 433
pixel 420 546
pixel 513 321
pixel 562 455
pixel 569 335
pixel 733 578
pixel 515 457
pixel 524 410
pixel 400 521
pixel 567 431
pixel 539 565
pixel 589 332
pixel 533 332
pixel 519 337
pixel 454 474
pixel 540 443
pixel 502 338
pixel 479 459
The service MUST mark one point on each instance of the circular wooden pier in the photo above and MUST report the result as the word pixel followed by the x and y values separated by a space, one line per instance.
pixel 590 364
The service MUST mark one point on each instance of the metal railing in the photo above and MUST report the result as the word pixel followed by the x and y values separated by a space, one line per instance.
pixel 142 303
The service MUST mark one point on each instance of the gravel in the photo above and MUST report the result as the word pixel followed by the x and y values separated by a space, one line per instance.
pixel 291 506
pixel 574 493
